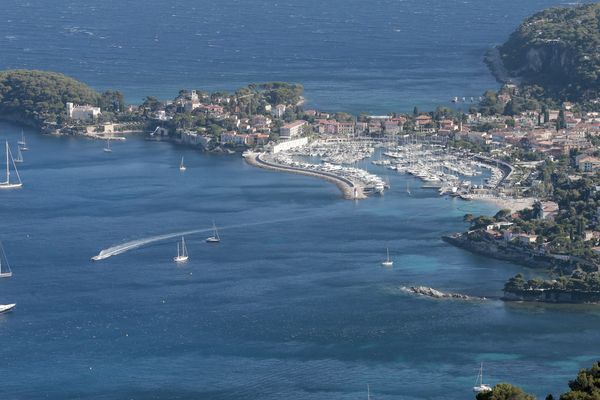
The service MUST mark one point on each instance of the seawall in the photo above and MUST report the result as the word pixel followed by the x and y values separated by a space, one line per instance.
pixel 349 189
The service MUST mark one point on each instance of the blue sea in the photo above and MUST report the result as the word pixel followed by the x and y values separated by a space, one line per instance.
pixel 293 303
pixel 374 56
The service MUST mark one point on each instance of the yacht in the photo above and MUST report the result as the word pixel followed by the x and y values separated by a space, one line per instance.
pixel 182 167
pixel 107 149
pixel 215 237
pixel 182 254
pixel 388 262
pixel 481 387
pixel 22 143
pixel 5 272
pixel 19 158
pixel 10 160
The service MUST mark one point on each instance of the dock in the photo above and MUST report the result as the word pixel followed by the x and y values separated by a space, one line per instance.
pixel 350 190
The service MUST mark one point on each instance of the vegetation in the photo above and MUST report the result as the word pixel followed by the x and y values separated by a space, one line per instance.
pixel 505 391
pixel 556 52
pixel 586 386
pixel 37 96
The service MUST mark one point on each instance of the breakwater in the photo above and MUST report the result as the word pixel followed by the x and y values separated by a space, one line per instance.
pixel 350 190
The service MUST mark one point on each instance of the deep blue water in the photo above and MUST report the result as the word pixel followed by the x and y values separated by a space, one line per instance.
pixel 352 55
pixel 292 304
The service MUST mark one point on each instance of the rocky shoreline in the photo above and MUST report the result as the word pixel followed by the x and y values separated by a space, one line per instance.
pixel 506 253
pixel 436 294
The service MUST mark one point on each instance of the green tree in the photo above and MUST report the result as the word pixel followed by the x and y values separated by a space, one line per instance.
pixel 505 391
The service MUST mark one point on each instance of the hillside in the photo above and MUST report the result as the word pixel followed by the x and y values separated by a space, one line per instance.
pixel 35 96
pixel 559 50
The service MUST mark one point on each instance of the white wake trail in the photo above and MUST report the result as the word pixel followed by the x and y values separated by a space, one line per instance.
pixel 135 244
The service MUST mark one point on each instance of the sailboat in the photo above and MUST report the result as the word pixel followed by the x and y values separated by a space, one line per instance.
pixel 9 160
pixel 368 392
pixel 182 167
pixel 182 254
pixel 387 262
pixel 408 189
pixel 481 387
pixel 215 237
pixel 22 143
pixel 19 158
pixel 5 272
pixel 107 149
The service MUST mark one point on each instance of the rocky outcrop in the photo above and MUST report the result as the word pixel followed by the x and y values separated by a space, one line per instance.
pixel 436 294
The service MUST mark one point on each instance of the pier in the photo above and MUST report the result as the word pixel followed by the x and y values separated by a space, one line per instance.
pixel 349 189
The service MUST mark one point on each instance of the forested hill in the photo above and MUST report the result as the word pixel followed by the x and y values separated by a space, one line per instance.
pixel 35 96
pixel 559 50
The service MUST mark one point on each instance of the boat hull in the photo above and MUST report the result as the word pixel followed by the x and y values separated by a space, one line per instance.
pixel 5 308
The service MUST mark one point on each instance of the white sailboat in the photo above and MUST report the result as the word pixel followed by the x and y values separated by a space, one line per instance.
pixel 408 189
pixel 182 254
pixel 19 158
pixel 10 160
pixel 5 272
pixel 215 237
pixel 107 149
pixel 182 167
pixel 22 143
pixel 388 262
pixel 481 387
pixel 368 392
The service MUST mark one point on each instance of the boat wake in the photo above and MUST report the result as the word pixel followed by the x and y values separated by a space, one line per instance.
pixel 136 244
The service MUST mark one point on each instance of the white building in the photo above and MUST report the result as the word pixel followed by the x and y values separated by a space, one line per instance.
pixel 83 113
pixel 292 130
pixel 290 144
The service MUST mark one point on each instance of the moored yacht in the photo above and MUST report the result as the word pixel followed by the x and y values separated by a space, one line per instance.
pixel 215 237
pixel 481 387
pixel 182 254
pixel 388 262
pixel 5 272
pixel 10 160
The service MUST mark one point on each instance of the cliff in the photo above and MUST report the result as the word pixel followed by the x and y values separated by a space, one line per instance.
pixel 556 49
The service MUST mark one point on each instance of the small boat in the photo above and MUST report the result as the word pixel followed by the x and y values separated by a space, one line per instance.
pixel 481 387
pixel 5 272
pixel 10 160
pixel 368 392
pixel 182 254
pixel 182 167
pixel 215 237
pixel 408 189
pixel 107 149
pixel 19 158
pixel 22 143
pixel 388 262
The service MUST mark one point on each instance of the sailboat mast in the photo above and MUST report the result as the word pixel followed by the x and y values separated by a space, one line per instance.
pixel 7 165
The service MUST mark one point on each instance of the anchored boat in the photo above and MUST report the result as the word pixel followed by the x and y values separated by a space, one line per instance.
pixel 10 161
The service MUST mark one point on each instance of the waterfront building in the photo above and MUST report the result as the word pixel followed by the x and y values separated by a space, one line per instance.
pixel 292 130
pixel 345 128
pixel 235 139
pixel 423 120
pixel 290 144
pixel 82 113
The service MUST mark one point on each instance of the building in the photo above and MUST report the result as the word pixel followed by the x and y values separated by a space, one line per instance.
pixel 588 164
pixel 345 128
pixel 292 130
pixel 83 113
pixel 278 110
pixel 290 144
pixel 423 120
pixel 235 139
